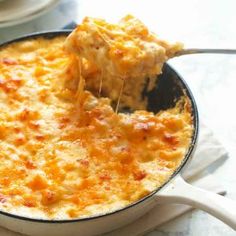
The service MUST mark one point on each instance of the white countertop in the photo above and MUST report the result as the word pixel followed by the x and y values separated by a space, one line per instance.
pixel 212 78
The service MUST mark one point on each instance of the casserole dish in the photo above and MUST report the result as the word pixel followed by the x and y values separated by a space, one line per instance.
pixel 169 90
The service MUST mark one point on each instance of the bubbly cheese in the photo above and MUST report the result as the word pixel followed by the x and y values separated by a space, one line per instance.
pixel 123 51
pixel 58 162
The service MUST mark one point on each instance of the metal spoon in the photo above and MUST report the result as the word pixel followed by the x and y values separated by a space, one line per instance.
pixel 182 53
pixel 197 51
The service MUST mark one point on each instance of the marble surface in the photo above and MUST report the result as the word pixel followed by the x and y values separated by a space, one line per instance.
pixel 212 78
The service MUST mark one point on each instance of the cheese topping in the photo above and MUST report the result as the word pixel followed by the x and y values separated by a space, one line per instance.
pixel 59 163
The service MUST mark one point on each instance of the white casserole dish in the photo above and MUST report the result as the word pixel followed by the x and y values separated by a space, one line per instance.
pixel 170 87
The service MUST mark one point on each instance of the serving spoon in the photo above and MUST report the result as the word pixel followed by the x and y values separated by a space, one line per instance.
pixel 182 52
pixel 204 50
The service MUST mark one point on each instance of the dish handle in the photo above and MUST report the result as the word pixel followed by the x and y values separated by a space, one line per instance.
pixel 179 191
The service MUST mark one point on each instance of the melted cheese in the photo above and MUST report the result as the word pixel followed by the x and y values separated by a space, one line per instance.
pixel 58 163
pixel 123 51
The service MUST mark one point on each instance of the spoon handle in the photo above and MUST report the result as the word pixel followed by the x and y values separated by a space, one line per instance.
pixel 197 50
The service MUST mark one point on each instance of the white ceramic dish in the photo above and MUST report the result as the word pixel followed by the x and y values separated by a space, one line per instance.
pixel 170 87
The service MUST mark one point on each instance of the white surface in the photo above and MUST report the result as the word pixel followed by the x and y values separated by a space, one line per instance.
pixel 197 23
pixel 15 12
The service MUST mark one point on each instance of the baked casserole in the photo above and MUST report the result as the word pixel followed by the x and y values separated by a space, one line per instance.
pixel 62 162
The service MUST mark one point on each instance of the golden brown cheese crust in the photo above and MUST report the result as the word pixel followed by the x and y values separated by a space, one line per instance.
pixel 58 163
pixel 127 50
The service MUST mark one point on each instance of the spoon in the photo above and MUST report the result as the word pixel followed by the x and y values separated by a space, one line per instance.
pixel 203 50
pixel 182 53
